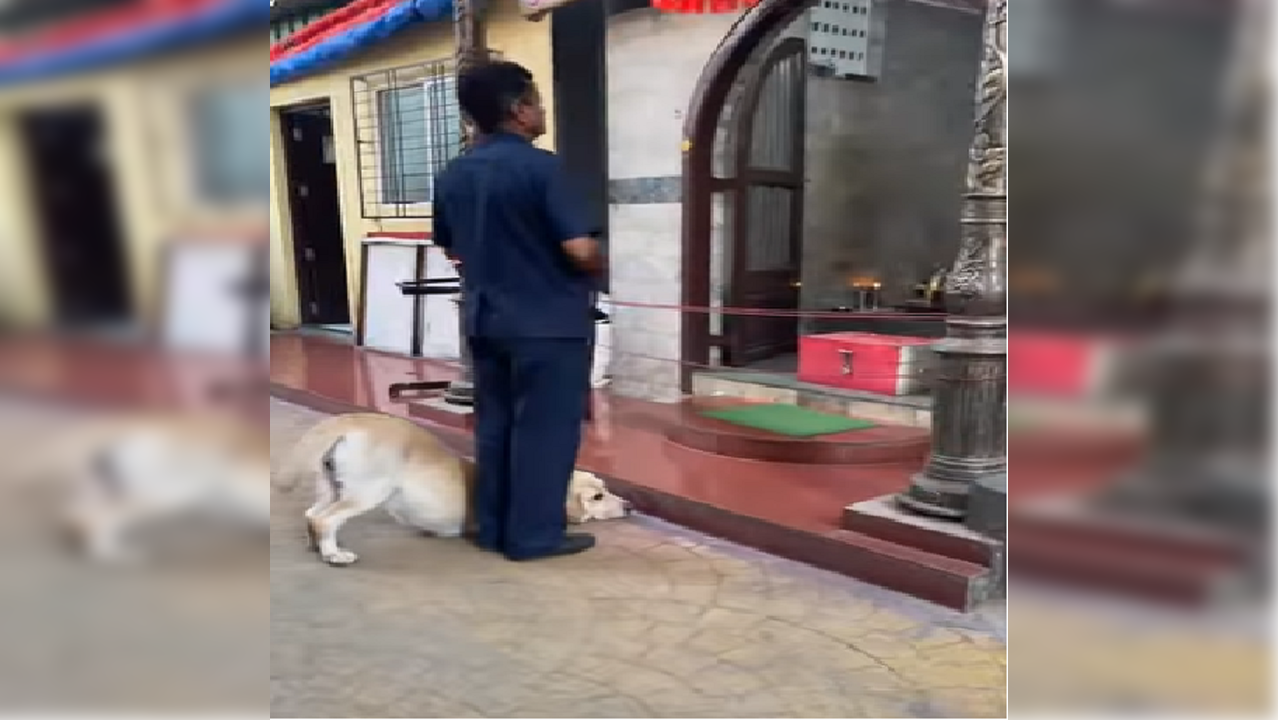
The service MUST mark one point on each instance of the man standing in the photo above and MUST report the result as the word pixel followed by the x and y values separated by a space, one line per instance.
pixel 503 211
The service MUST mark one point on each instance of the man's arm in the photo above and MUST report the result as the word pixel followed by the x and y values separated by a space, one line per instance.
pixel 570 229
pixel 441 232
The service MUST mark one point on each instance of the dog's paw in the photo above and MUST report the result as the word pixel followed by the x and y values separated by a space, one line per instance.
pixel 340 558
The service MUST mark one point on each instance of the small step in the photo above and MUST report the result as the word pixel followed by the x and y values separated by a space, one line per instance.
pixel 1075 447
pixel 1069 521
pixel 953 583
pixel 910 411
pixel 1139 570
pixel 438 411
pixel 880 445
pixel 884 519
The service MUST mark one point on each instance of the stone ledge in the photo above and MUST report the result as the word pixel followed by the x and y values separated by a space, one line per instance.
pixel 441 412
pixel 910 411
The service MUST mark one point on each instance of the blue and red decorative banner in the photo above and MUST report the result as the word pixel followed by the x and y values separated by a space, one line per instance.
pixel 95 39
pixel 537 9
pixel 346 31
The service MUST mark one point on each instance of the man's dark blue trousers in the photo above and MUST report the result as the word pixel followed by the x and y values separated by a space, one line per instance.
pixel 530 403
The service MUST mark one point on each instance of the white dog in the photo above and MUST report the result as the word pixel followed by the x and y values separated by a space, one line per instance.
pixel 124 472
pixel 363 461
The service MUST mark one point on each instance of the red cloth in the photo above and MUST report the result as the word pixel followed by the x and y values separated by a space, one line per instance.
pixel 699 7
pixel 331 24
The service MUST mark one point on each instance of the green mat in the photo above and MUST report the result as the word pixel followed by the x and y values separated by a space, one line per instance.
pixel 789 420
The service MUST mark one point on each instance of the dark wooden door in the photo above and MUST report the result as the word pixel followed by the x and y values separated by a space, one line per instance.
pixel 319 249
pixel 766 227
pixel 76 209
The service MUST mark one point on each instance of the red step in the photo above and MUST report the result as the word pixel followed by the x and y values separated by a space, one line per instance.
pixel 939 537
pixel 1148 567
pixel 1074 524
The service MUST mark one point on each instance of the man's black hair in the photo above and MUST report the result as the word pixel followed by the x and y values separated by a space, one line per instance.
pixel 489 91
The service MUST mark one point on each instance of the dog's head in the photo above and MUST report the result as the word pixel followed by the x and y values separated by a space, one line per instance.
pixel 589 499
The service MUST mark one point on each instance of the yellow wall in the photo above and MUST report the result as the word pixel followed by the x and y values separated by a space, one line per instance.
pixel 517 39
pixel 23 300
pixel 144 109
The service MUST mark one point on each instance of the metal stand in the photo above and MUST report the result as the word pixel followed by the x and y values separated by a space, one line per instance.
pixel 429 286
pixel 470 37
pixel 462 390
pixel 969 415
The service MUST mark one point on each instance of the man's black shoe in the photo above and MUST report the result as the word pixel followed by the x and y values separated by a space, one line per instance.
pixel 571 545
pixel 485 546
pixel 474 539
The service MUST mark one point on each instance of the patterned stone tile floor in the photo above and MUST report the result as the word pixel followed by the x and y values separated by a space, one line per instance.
pixel 656 622
pixel 164 639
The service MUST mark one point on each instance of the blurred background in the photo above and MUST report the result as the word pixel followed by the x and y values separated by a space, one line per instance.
pixel 133 187
pixel 1139 356
pixel 133 184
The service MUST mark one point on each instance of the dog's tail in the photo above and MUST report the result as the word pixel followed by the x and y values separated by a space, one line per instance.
pixel 50 467
pixel 313 454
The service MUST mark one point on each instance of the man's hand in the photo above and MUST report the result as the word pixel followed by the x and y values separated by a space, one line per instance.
pixel 584 253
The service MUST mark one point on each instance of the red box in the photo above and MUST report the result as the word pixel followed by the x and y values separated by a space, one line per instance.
pixel 884 364
pixel 1060 365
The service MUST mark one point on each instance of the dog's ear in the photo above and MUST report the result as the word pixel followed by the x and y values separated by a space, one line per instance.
pixel 576 506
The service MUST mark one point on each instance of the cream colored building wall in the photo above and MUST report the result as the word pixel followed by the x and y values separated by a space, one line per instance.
pixel 144 106
pixel 23 301
pixel 517 39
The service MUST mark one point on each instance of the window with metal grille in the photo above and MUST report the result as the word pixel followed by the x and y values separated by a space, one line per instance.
pixel 229 134
pixel 408 126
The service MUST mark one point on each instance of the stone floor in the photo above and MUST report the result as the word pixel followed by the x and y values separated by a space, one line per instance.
pixel 73 638
pixel 656 622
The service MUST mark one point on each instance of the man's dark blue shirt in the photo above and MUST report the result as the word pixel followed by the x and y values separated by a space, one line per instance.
pixel 504 210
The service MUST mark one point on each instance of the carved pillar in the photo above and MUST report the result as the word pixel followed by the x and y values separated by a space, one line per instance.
pixel 1208 369
pixel 471 48
pixel 969 413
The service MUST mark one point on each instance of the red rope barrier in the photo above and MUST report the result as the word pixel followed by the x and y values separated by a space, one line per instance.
pixel 760 312
pixel 614 354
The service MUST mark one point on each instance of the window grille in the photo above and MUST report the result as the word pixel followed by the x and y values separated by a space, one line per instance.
pixel 407 127
pixel 228 132
pixel 846 38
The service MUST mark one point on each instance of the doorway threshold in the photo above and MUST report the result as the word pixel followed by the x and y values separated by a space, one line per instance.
pixel 123 331
pixel 340 334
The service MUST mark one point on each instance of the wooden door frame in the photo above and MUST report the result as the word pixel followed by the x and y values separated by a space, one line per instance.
pixel 709 98
pixel 52 277
pixel 745 176
pixel 303 283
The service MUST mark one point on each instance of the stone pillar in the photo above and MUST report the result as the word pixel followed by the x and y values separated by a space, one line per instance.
pixel 969 415
pixel 471 48
pixel 1208 367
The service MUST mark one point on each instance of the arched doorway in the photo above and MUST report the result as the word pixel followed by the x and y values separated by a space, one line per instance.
pixel 729 66
pixel 763 233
